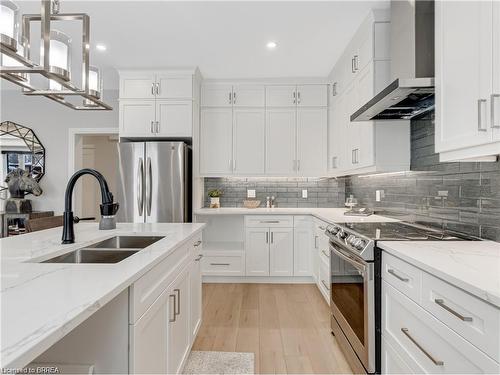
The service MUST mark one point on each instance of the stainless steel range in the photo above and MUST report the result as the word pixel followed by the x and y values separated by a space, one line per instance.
pixel 355 283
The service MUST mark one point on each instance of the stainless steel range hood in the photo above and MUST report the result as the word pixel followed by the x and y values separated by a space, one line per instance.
pixel 412 65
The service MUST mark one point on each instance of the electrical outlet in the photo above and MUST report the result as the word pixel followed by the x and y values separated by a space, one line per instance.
pixel 251 193
pixel 304 193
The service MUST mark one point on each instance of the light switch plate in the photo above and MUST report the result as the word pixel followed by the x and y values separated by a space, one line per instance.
pixel 251 193
pixel 304 193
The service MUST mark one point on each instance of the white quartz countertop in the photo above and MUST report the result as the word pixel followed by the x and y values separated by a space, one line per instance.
pixel 330 215
pixel 42 302
pixel 471 266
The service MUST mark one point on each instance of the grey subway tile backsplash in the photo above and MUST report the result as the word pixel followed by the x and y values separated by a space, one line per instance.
pixel 464 197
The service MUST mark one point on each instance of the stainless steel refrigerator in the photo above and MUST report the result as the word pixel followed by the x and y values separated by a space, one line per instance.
pixel 154 183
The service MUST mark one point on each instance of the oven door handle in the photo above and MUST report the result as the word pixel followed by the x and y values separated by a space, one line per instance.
pixel 360 266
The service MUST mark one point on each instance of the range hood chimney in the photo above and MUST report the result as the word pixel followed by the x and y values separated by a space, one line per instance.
pixel 411 93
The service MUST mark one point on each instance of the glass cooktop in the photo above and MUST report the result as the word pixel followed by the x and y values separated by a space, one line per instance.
pixel 398 231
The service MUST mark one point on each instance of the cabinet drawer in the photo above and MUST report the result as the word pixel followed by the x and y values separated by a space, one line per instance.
pixel 324 281
pixel 267 221
pixel 401 275
pixel 392 363
pixel 426 344
pixel 475 320
pixel 150 286
pixel 223 265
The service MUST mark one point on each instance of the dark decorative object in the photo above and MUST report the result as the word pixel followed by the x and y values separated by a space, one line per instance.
pixel 31 154
pixel 20 183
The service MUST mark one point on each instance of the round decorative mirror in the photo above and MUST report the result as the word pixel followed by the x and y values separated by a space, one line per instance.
pixel 19 148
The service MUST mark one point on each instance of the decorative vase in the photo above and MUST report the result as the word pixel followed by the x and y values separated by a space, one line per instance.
pixel 215 202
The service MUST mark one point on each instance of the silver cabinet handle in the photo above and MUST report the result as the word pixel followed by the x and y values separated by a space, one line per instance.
pixel 269 221
pixel 294 98
pixel 139 187
pixel 393 273
pixel 171 320
pixel 152 88
pixel 272 237
pixel 315 242
pixel 298 97
pixel 480 126
pixel 325 284
pixel 157 89
pixel 230 98
pixel 149 186
pixel 199 258
pixel 219 264
pixel 495 120
pixel 178 291
pixel 435 361
pixel 197 243
pixel 441 303
pixel 325 253
pixel 234 98
pixel 267 237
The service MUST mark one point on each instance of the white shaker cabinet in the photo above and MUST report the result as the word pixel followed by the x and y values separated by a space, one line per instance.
pixel 303 247
pixel 149 339
pixel 249 141
pixel 257 251
pixel 216 145
pixel 467 80
pixel 311 141
pixel 280 141
pixel 281 252
pixel 137 117
pixel 178 318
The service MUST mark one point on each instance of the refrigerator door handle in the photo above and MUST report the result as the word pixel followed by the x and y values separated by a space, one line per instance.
pixel 140 190
pixel 149 186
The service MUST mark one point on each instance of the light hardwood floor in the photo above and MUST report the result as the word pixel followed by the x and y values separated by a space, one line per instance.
pixel 286 326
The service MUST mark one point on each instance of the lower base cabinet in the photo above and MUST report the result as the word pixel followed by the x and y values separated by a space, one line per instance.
pixel 161 338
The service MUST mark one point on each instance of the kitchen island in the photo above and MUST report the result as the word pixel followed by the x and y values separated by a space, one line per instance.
pixel 42 302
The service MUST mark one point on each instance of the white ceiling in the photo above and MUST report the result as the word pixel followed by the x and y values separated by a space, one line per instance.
pixel 224 39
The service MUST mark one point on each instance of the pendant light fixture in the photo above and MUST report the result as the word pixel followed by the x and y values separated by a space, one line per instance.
pixel 55 56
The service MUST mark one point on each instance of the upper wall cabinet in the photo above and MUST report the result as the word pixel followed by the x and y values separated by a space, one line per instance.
pixel 273 130
pixel 361 72
pixel 227 95
pixel 157 103
pixel 467 80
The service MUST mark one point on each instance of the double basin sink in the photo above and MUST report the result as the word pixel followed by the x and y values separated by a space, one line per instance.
pixel 111 250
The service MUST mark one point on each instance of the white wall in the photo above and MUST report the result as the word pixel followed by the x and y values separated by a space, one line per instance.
pixel 51 121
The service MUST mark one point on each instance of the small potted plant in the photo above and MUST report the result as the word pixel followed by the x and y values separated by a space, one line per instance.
pixel 215 195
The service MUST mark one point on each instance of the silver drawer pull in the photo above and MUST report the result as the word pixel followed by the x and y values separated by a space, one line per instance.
pixel 220 264
pixel 324 284
pixel 269 221
pixel 441 303
pixel 197 243
pixel 407 334
pixel 199 258
pixel 171 320
pixel 325 253
pixel 393 273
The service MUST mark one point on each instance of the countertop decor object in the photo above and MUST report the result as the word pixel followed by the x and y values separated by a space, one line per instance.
pixel 215 195
pixel 55 57
pixel 248 203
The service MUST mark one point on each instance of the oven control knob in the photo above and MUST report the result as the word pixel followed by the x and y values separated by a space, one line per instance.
pixel 359 244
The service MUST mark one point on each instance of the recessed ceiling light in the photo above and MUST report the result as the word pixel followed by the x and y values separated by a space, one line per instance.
pixel 100 47
pixel 271 45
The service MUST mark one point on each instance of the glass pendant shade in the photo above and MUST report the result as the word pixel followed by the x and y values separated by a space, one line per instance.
pixel 60 58
pixel 9 23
